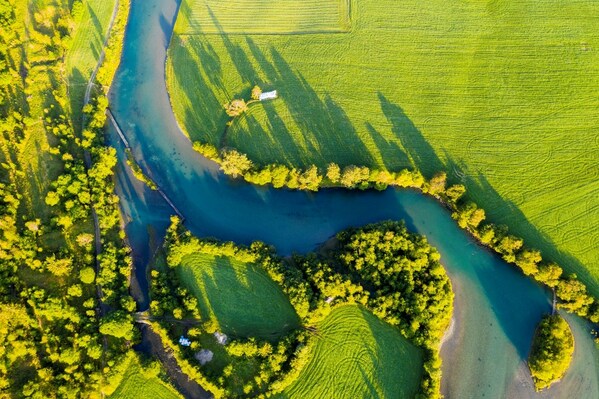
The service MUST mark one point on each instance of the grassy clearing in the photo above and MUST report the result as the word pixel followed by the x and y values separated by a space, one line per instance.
pixel 139 383
pixel 259 16
pixel 239 296
pixel 85 50
pixel 358 356
pixel 501 95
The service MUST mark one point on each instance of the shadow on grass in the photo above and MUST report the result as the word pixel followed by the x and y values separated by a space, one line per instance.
pixel 502 211
pixel 236 312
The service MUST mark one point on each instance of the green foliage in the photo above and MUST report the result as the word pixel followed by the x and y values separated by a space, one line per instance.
pixel 236 107
pixel 552 351
pixel 53 346
pixel 87 275
pixel 235 163
pixel 138 172
pixel 119 325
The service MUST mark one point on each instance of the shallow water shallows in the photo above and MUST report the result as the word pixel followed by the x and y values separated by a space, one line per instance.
pixel 497 308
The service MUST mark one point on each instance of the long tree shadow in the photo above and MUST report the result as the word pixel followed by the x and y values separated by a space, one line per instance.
pixel 502 211
pixel 394 158
pixel 421 153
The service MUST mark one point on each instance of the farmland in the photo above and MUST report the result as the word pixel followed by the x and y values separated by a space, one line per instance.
pixel 239 296
pixel 500 95
pixel 138 382
pixel 358 356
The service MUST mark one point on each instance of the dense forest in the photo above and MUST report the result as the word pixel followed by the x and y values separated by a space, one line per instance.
pixel 64 303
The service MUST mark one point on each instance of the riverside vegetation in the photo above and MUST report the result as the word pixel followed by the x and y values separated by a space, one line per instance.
pixel 572 293
pixel 373 94
pixel 381 271
pixel 65 324
pixel 552 351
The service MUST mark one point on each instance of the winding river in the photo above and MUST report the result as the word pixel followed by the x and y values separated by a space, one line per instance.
pixel 497 308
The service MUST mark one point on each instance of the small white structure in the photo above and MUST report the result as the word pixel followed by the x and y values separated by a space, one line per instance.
pixel 269 95
pixel 184 341
pixel 220 338
pixel 204 356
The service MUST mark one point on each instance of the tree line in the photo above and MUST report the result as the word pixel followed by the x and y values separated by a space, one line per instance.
pixel 572 293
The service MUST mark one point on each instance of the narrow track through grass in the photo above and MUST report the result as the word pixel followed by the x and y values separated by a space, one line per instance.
pixel 358 356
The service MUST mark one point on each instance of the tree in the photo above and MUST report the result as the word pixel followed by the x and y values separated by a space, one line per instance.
pixel 119 325
pixel 52 198
pixel 256 92
pixel 455 192
pixel 235 163
pixel 528 260
pixel 236 107
pixel 549 274
pixel 333 172
pixel 437 183
pixel 573 296
pixel 310 179
pixel 87 275
pixel 353 175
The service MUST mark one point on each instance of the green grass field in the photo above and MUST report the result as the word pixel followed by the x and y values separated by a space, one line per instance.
pixel 260 17
pixel 358 356
pixel 502 95
pixel 239 296
pixel 86 47
pixel 137 385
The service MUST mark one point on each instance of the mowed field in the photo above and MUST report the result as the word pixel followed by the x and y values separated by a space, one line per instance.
pixel 136 385
pixel 308 16
pixel 502 95
pixel 87 42
pixel 239 296
pixel 358 356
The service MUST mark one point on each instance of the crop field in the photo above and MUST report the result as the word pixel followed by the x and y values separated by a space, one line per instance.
pixel 239 296
pixel 136 384
pixel 260 17
pixel 502 95
pixel 358 356
pixel 85 49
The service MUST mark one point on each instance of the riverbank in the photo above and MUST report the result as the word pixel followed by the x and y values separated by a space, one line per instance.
pixel 501 306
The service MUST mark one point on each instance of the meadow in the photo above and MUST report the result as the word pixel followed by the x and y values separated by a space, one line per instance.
pixel 87 41
pixel 356 355
pixel 138 382
pixel 502 96
pixel 239 296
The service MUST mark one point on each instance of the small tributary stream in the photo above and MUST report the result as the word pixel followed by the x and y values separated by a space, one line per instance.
pixel 497 308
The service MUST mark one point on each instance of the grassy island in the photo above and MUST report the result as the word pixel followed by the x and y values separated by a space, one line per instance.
pixel 374 308
pixel 552 351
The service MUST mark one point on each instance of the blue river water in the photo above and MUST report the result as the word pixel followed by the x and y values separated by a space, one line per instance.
pixel 497 308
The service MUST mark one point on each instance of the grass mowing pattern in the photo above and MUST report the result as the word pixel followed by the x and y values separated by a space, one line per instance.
pixel 501 95
pixel 239 296
pixel 85 50
pixel 259 16
pixel 358 356
pixel 137 385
